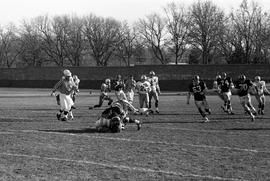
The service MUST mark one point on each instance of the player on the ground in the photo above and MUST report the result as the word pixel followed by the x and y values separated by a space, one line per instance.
pixel 154 90
pixel 198 89
pixel 226 84
pixel 243 86
pixel 65 86
pixel 260 90
pixel 143 88
pixel 129 88
pixel 105 88
pixel 117 112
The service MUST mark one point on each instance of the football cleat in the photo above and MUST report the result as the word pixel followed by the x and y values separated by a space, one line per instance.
pixel 139 125
pixel 71 115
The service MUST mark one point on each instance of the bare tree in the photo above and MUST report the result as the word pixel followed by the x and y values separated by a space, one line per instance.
pixel 103 35
pixel 252 29
pixel 178 23
pixel 10 46
pixel 72 39
pixel 125 50
pixel 154 33
pixel 206 25
pixel 32 54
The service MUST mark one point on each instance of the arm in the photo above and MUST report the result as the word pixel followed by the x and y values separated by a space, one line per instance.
pixel 56 86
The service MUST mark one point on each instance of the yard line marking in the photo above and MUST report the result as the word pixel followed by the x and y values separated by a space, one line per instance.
pixel 6 132
pixel 148 141
pixel 121 167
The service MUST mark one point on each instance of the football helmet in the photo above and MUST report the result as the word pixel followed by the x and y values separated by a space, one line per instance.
pixel 242 77
pixel 152 73
pixel 257 78
pixel 107 81
pixel 67 73
pixel 218 77
pixel 143 77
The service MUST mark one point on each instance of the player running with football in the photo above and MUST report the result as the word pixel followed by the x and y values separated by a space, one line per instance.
pixel 65 86
pixel 198 89
pixel 154 90
pixel 105 88
pixel 260 90
pixel 243 86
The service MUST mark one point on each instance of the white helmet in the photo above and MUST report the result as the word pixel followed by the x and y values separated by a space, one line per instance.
pixel 152 73
pixel 143 77
pixel 67 73
pixel 258 78
pixel 107 81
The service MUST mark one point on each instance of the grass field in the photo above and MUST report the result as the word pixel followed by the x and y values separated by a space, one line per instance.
pixel 174 145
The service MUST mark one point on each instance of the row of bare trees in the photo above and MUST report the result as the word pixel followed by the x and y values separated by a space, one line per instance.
pixel 202 32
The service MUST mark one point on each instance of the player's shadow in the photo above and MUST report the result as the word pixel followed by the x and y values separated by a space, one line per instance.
pixel 72 131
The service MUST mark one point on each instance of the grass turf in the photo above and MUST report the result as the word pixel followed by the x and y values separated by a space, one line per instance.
pixel 172 145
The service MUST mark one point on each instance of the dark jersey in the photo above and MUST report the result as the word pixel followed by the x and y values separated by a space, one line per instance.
pixel 224 84
pixel 243 87
pixel 198 90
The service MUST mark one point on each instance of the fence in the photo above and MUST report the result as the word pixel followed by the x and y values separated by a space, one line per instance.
pixel 172 77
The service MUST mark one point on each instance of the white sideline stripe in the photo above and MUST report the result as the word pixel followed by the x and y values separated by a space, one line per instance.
pixel 123 167
pixel 148 141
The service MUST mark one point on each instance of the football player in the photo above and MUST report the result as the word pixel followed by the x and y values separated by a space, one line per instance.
pixel 260 90
pixel 65 86
pixel 243 86
pixel 198 89
pixel 129 88
pixel 216 87
pixel 73 95
pixel 105 88
pixel 154 90
pixel 226 84
pixel 143 88
pixel 117 111
pixel 118 81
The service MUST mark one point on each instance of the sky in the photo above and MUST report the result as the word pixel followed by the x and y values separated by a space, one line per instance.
pixel 131 10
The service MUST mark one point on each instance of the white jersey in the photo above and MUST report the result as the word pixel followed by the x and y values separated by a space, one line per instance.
pixel 260 87
pixel 143 87
pixel 154 83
